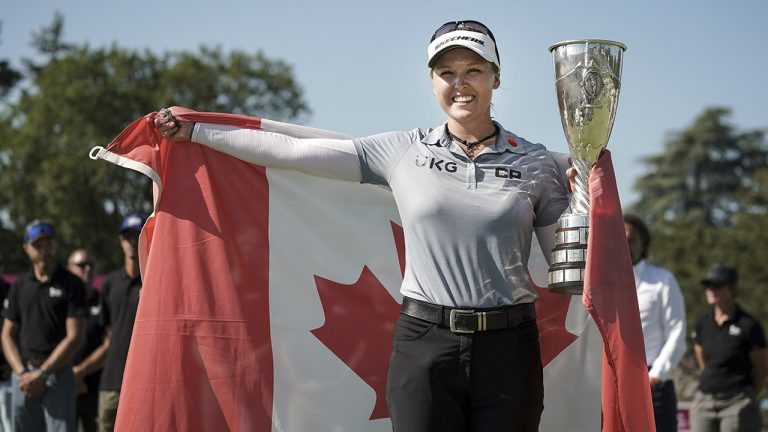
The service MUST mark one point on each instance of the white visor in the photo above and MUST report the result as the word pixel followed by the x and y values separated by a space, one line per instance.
pixel 478 42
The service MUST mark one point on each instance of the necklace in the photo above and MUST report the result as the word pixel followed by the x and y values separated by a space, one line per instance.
pixel 472 144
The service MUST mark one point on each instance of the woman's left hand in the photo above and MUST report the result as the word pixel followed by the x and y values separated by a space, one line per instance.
pixel 571 174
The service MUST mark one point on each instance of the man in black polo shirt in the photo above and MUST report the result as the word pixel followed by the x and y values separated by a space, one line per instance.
pixel 90 359
pixel 6 391
pixel 120 298
pixel 733 359
pixel 42 332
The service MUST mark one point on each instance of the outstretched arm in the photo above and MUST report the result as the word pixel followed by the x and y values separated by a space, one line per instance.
pixel 324 157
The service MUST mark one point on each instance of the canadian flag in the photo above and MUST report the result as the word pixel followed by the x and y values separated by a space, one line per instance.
pixel 270 299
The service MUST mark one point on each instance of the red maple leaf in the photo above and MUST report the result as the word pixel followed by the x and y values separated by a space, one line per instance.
pixel 551 312
pixel 362 336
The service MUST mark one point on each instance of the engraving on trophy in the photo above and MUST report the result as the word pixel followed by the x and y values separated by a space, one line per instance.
pixel 587 81
pixel 591 85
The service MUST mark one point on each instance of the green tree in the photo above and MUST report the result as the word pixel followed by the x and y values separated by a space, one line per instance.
pixel 82 97
pixel 702 173
pixel 8 76
pixel 700 193
pixel 747 250
pixel 49 40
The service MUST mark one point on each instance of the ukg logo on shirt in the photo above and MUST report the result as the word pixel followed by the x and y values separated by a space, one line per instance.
pixel 436 164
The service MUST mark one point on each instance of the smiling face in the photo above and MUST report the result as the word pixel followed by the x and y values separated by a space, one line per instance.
pixel 463 83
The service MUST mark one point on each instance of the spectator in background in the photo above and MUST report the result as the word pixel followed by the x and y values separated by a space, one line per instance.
pixel 732 356
pixel 120 299
pixel 662 315
pixel 6 393
pixel 42 332
pixel 90 359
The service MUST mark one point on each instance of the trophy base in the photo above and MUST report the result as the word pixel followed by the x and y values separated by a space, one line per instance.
pixel 567 281
pixel 568 259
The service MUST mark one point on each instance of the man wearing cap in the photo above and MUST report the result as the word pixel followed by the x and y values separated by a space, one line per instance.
pixel 42 332
pixel 662 316
pixel 6 391
pixel 120 300
pixel 732 357
pixel 90 359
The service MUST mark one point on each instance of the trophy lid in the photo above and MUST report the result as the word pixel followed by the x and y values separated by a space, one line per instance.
pixel 594 41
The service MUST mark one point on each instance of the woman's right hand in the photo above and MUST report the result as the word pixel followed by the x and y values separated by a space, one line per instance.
pixel 171 128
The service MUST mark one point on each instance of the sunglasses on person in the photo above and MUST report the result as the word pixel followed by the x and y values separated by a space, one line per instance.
pixel 468 25
pixel 712 286
pixel 84 264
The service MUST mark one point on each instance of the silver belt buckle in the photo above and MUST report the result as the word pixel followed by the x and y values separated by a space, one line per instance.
pixel 452 320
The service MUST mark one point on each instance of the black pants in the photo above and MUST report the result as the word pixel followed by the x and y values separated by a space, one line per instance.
pixel 87 408
pixel 482 382
pixel 664 406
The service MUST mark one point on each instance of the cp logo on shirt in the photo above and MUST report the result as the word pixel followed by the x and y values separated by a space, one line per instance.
pixel 508 173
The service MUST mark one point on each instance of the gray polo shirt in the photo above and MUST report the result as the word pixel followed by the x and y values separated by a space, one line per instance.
pixel 468 224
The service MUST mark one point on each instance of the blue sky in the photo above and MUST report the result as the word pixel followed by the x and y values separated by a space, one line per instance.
pixel 362 64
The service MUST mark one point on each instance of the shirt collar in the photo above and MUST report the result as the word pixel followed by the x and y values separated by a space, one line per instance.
pixel 55 276
pixel 125 275
pixel 639 267
pixel 735 316
pixel 505 141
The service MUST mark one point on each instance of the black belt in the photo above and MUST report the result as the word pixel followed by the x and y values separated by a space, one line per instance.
pixel 730 394
pixel 468 320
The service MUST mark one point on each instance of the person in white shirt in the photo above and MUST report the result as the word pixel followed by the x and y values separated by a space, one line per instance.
pixel 662 315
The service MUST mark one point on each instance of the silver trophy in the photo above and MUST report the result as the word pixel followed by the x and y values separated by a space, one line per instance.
pixel 587 79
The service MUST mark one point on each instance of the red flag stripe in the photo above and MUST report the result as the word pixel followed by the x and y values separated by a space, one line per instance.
pixel 610 298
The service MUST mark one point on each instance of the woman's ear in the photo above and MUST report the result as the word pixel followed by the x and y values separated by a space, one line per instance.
pixel 496 81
